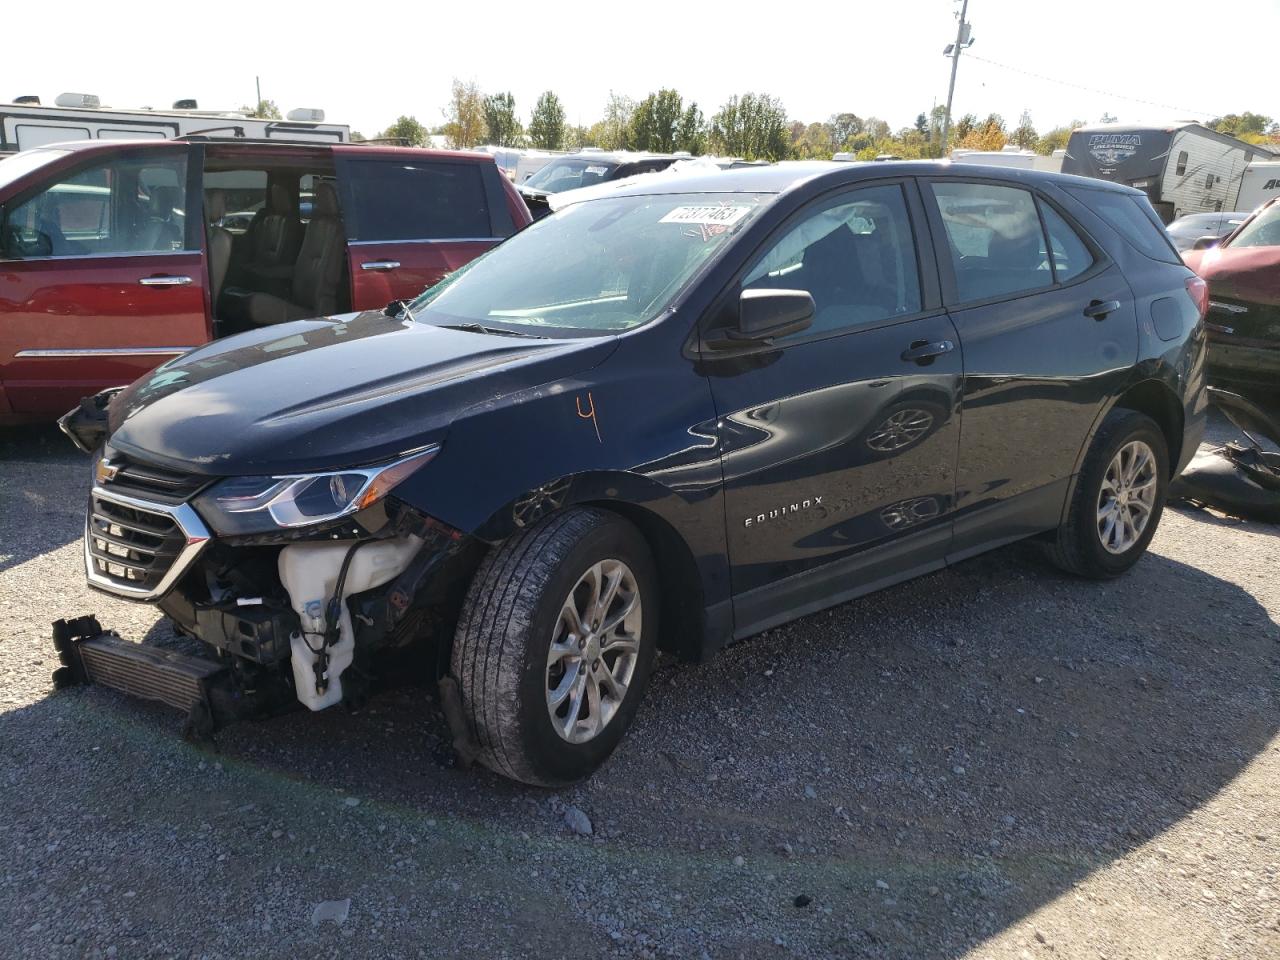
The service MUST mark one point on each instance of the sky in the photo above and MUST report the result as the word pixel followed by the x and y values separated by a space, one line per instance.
pixel 366 64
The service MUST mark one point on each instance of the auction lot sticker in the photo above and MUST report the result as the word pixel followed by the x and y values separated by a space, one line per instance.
pixel 712 215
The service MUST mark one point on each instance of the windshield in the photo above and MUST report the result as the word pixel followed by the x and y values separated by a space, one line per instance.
pixel 570 173
pixel 596 267
pixel 1262 231
pixel 20 164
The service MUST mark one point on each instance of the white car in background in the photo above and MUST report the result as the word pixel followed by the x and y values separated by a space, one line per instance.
pixel 1185 231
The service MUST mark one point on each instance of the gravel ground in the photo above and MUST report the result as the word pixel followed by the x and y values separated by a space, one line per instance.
pixel 994 761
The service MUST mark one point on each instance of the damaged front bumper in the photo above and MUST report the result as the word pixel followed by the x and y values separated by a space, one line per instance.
pixel 299 616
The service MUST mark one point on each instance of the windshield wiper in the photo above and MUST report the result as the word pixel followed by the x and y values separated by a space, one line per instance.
pixel 404 310
pixel 481 328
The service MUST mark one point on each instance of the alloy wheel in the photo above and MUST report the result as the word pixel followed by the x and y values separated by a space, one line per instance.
pixel 595 647
pixel 1127 497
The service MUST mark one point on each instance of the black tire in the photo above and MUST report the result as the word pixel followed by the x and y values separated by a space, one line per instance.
pixel 1077 545
pixel 504 635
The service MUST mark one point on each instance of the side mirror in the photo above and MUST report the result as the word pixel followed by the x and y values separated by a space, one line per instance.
pixel 1204 243
pixel 767 314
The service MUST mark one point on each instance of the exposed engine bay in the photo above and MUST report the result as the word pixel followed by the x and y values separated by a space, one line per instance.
pixel 284 615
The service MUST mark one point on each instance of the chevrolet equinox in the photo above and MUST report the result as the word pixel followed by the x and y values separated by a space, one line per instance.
pixel 664 419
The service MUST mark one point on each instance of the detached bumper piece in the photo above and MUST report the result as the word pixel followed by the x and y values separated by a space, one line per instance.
pixel 90 654
pixel 1240 480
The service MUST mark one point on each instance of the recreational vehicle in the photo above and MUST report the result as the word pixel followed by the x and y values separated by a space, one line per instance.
pixel 26 123
pixel 1261 182
pixel 1183 168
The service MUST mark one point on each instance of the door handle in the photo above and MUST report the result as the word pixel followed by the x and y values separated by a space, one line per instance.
pixel 1099 309
pixel 380 265
pixel 925 351
pixel 165 281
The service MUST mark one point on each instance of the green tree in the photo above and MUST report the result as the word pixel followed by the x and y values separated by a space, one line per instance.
pixel 655 122
pixel 876 129
pixel 1240 124
pixel 464 117
pixel 358 137
pixel 753 126
pixel 546 125
pixel 407 129
pixel 265 110
pixel 844 127
pixel 812 141
pixel 500 118
pixel 1025 136
pixel 692 133
pixel 1056 139
pixel 575 137
pixel 963 127
pixel 615 128
pixel 936 117
pixel 922 124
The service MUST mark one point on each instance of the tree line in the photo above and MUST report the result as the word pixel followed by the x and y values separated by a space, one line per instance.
pixel 754 126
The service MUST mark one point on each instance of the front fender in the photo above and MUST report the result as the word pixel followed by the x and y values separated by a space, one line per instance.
pixel 637 432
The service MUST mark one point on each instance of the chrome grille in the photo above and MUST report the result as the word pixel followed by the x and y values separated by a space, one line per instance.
pixel 137 548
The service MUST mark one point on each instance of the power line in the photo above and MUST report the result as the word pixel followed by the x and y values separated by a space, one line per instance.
pixel 1186 111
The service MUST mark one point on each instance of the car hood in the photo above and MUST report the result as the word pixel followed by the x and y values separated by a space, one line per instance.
pixel 1251 274
pixel 319 394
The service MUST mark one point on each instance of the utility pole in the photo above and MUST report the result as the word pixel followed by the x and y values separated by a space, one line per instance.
pixel 963 40
pixel 257 82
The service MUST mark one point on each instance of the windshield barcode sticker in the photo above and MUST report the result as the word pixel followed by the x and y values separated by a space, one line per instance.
pixel 712 216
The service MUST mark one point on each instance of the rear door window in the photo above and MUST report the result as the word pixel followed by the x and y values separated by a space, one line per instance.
pixel 994 235
pixel 415 200
pixel 1071 256
pixel 1132 218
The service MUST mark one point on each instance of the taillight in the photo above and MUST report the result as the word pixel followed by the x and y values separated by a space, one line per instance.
pixel 1199 292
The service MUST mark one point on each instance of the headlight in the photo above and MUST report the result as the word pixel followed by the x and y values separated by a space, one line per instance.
pixel 247 505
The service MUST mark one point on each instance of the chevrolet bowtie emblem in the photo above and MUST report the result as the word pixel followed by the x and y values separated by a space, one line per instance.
pixel 106 471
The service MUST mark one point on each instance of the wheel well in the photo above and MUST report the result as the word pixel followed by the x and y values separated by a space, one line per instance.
pixel 682 613
pixel 1159 403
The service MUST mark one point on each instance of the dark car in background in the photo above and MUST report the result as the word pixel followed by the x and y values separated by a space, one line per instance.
pixel 1204 229
pixel 117 255
pixel 585 169
pixel 1243 323
pixel 670 417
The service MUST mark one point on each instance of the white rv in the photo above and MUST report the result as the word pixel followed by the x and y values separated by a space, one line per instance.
pixel 1184 168
pixel 1261 182
pixel 26 123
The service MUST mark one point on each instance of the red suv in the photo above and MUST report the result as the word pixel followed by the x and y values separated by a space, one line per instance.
pixel 105 272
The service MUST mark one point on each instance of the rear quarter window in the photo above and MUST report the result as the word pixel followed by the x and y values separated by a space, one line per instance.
pixel 416 200
pixel 1132 218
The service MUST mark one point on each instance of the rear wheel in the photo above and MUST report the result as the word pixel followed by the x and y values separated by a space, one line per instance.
pixel 1118 499
pixel 555 645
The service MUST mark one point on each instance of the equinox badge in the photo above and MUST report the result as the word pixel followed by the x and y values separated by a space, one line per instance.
pixel 782 511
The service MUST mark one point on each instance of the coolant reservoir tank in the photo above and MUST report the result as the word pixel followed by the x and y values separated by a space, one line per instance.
pixel 309 571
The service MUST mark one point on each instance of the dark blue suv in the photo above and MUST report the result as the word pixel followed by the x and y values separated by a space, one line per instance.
pixel 659 420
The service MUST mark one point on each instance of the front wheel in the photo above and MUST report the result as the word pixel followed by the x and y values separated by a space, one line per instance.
pixel 555 644
pixel 1118 499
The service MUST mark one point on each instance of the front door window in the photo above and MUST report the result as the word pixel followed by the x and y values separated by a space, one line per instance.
pixel 119 206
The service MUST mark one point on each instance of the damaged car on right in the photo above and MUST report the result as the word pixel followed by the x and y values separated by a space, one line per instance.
pixel 1243 273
